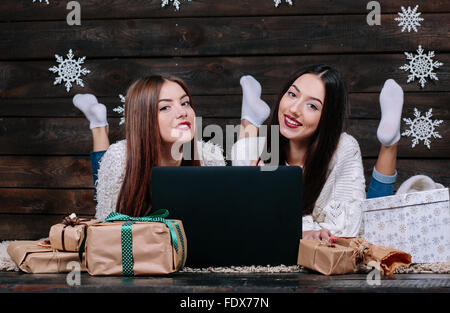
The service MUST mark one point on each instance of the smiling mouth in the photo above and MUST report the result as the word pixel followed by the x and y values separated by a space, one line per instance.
pixel 184 126
pixel 291 123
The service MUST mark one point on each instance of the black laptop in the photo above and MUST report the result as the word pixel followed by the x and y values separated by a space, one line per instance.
pixel 237 215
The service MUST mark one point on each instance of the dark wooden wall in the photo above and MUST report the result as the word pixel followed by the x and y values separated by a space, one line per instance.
pixel 45 171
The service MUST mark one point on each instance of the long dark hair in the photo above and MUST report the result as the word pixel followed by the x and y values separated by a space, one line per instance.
pixel 325 140
pixel 144 143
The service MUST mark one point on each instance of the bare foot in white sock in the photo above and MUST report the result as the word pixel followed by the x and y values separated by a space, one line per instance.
pixel 254 109
pixel 391 104
pixel 95 112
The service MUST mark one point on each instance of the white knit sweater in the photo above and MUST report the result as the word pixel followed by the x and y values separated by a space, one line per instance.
pixel 112 172
pixel 338 207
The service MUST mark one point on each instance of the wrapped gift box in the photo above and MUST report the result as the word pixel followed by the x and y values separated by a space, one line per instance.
pixel 68 237
pixel 326 258
pixel 124 245
pixel 342 255
pixel 31 257
pixel 417 223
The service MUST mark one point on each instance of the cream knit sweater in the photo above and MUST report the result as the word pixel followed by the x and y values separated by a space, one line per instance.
pixel 112 171
pixel 338 207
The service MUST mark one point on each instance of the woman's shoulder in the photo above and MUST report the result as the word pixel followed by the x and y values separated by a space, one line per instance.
pixel 348 140
pixel 347 144
pixel 115 155
pixel 118 147
pixel 348 148
pixel 211 154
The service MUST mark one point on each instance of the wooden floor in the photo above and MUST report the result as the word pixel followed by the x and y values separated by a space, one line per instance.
pixel 224 283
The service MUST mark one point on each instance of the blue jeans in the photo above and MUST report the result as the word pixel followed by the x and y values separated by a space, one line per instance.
pixel 381 185
pixel 96 156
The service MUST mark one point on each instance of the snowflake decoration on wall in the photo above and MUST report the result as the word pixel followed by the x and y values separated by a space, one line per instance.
pixel 46 1
pixel 422 128
pixel 278 2
pixel 421 66
pixel 175 3
pixel 121 109
pixel 409 19
pixel 69 70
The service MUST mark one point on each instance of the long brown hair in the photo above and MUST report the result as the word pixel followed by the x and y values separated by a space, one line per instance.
pixel 144 143
pixel 325 140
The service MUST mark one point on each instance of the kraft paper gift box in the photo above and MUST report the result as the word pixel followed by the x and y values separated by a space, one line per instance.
pixel 124 245
pixel 31 257
pixel 387 259
pixel 342 255
pixel 417 223
pixel 325 257
pixel 68 235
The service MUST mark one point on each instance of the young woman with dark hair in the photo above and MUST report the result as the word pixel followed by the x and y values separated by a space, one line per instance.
pixel 159 119
pixel 311 112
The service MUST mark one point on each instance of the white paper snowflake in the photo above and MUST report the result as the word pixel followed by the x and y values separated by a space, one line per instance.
pixel 409 19
pixel 422 128
pixel 69 70
pixel 175 3
pixel 421 66
pixel 278 2
pixel 121 109
pixel 46 1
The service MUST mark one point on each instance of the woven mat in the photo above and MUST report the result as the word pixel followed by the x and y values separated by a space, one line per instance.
pixel 418 268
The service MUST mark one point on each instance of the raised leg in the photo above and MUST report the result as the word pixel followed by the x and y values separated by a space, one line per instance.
pixel 384 172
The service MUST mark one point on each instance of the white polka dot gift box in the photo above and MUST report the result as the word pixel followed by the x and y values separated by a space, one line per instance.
pixel 417 223
pixel 132 246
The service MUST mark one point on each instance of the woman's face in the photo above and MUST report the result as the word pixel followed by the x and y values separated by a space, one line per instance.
pixel 175 115
pixel 301 107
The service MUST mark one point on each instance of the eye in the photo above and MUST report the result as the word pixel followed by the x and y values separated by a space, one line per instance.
pixel 185 103
pixel 164 108
pixel 312 106
pixel 290 93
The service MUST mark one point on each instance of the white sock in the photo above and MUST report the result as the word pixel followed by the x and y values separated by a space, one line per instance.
pixel 95 112
pixel 391 103
pixel 254 109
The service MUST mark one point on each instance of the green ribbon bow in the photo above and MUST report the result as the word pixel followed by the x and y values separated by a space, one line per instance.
pixel 127 239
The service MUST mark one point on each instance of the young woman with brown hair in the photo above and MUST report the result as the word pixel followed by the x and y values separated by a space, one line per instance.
pixel 159 119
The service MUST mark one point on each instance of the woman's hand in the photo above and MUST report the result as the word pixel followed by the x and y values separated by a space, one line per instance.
pixel 260 163
pixel 323 234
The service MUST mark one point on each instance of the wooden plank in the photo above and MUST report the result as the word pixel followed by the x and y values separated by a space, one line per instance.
pixel 75 172
pixel 366 105
pixel 365 132
pixel 438 170
pixel 218 36
pixel 47 201
pixel 46 172
pixel 64 201
pixel 211 76
pixel 27 226
pixel 11 10
pixel 158 288
pixel 361 105
pixel 71 136
pixel 221 106
pixel 51 135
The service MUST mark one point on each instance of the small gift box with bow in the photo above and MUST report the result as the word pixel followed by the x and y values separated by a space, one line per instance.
pixel 326 257
pixel 69 234
pixel 35 257
pixel 124 245
pixel 343 255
